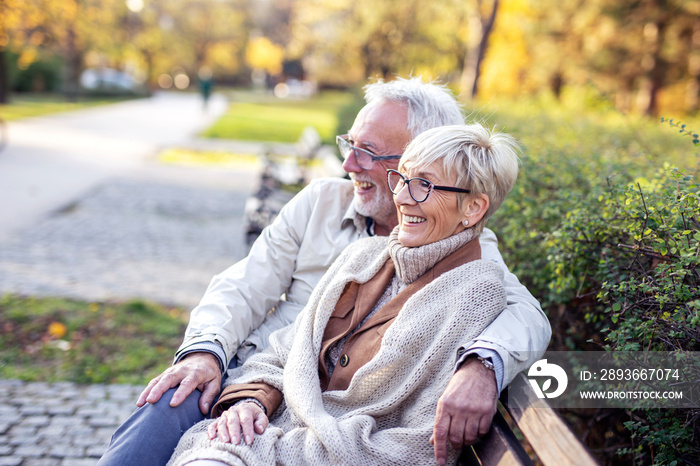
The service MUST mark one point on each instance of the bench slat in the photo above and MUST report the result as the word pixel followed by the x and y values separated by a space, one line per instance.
pixel 499 447
pixel 547 433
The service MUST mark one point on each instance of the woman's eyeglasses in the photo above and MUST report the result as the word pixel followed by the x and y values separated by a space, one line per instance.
pixel 418 188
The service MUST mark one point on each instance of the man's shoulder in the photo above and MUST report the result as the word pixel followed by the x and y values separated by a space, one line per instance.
pixel 332 185
pixel 333 194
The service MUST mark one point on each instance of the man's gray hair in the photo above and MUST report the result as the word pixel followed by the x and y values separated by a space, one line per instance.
pixel 476 158
pixel 429 104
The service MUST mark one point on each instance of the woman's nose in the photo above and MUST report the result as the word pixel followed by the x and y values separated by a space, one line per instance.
pixel 403 196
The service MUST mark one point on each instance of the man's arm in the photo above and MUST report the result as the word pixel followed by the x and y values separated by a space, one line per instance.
pixel 238 299
pixel 236 302
pixel 515 339
pixel 459 419
pixel 521 333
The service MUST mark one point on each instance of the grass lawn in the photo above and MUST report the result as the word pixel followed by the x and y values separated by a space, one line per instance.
pixel 48 339
pixel 29 105
pixel 262 117
pixel 191 157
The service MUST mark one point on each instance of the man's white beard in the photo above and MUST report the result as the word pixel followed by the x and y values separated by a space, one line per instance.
pixel 380 207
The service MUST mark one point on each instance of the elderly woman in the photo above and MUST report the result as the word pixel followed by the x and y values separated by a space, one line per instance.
pixel 356 378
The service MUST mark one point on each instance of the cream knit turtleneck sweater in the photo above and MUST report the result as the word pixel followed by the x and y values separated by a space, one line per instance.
pixel 409 265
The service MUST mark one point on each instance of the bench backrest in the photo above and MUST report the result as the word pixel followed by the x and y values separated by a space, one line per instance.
pixel 308 143
pixel 545 431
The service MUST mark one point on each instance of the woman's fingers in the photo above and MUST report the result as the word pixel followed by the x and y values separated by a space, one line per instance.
pixel 247 416
pixel 261 422
pixel 232 428
pixel 238 422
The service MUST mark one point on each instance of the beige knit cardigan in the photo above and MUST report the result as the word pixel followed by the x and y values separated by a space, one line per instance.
pixel 387 413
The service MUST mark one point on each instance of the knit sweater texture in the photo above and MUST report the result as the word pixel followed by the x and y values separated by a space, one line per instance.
pixel 386 415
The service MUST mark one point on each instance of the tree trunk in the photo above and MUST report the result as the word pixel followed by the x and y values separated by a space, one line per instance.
pixel 480 29
pixel 692 94
pixel 654 68
pixel 74 65
pixel 556 83
pixel 4 78
pixel 151 78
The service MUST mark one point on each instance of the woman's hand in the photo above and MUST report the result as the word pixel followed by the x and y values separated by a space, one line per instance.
pixel 248 417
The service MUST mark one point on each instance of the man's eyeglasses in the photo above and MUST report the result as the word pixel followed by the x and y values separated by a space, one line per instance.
pixel 365 159
pixel 418 188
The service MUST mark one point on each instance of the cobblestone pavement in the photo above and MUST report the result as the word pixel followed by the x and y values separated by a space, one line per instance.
pixel 155 239
pixel 59 424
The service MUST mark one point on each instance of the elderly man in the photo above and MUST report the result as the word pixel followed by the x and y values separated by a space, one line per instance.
pixel 233 320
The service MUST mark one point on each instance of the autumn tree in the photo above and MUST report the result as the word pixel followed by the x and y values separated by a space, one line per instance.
pixel 344 42
pixel 630 51
pixel 481 19
pixel 203 26
pixel 20 27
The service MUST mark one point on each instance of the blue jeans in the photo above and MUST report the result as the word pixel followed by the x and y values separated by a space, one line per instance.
pixel 151 434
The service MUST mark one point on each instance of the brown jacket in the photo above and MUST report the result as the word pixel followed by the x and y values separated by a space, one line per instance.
pixel 355 303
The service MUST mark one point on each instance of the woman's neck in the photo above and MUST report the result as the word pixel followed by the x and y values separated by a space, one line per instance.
pixel 411 263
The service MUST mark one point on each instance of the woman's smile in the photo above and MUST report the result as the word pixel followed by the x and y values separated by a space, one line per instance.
pixel 409 219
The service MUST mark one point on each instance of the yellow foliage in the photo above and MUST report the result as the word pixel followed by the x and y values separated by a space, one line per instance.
pixel 26 58
pixel 36 39
pixel 507 59
pixel 263 54
pixel 223 56
pixel 57 330
pixel 426 72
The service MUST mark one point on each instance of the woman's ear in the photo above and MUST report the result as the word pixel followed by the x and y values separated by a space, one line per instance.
pixel 475 208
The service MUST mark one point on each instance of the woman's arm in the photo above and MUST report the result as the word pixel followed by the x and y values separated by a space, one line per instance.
pixel 267 395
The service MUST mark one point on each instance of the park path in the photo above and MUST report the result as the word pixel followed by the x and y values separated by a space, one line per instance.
pixel 87 211
pixel 52 159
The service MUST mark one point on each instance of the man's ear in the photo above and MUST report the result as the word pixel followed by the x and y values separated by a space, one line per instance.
pixel 475 208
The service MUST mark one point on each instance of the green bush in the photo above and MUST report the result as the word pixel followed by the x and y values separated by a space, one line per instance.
pixel 605 231
pixel 636 247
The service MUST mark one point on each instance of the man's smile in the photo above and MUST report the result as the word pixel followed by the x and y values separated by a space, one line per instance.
pixel 363 185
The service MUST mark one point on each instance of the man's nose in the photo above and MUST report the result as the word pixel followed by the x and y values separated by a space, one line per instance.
pixel 350 164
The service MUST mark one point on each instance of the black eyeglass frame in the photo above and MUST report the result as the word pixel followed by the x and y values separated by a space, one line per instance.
pixel 373 157
pixel 407 181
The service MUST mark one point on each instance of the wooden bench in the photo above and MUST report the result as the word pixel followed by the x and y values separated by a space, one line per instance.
pixel 544 430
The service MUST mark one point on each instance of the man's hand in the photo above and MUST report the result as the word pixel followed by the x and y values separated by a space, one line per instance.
pixel 195 371
pixel 466 408
pixel 247 417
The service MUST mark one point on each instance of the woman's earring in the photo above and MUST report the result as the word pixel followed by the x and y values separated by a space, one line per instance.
pixel 466 223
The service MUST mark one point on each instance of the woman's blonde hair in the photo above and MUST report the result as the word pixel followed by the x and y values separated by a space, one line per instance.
pixel 472 157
